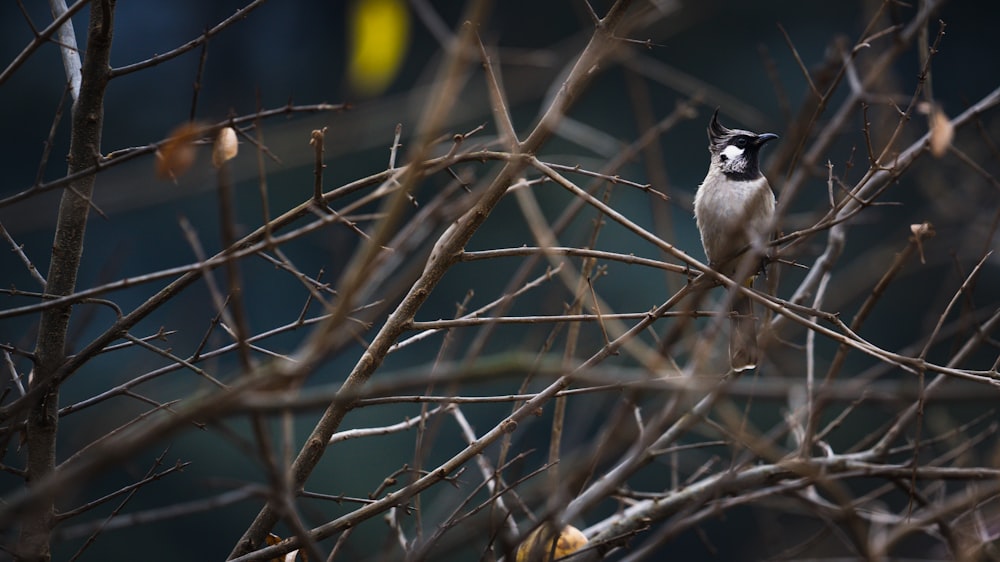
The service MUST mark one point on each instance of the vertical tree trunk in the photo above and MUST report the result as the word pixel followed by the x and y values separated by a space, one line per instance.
pixel 67 248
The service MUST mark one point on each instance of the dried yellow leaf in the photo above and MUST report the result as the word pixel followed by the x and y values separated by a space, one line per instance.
pixel 177 154
pixel 225 147
pixel 271 539
pixel 942 132
pixel 541 546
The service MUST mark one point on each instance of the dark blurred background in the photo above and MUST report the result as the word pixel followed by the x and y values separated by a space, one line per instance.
pixel 728 53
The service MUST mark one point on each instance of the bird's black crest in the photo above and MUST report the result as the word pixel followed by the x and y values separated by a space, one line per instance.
pixel 717 130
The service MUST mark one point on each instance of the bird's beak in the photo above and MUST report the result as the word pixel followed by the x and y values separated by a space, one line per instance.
pixel 764 137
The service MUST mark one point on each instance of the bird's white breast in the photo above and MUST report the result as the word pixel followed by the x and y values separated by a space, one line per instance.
pixel 732 214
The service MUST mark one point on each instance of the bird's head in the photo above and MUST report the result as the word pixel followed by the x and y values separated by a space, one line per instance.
pixel 735 151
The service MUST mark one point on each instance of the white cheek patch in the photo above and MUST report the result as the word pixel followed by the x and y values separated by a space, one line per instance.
pixel 732 152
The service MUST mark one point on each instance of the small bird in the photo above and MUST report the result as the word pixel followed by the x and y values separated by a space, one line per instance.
pixel 734 209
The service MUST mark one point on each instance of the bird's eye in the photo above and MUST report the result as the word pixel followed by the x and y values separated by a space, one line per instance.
pixel 741 142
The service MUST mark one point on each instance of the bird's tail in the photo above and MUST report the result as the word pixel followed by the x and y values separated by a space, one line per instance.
pixel 743 352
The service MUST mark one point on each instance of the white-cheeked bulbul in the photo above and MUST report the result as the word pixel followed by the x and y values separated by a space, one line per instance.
pixel 734 209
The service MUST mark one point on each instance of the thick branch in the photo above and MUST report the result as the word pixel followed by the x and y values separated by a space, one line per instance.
pixel 67 248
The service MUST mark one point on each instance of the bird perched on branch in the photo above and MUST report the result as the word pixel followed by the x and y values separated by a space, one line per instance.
pixel 734 209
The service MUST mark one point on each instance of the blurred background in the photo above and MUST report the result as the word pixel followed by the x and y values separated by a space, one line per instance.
pixel 732 55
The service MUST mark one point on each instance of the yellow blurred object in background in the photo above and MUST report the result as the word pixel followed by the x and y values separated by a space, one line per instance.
pixel 379 32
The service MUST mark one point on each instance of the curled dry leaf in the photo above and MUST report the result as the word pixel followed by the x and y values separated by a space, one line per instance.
pixel 942 132
pixel 541 546
pixel 273 539
pixel 921 231
pixel 177 154
pixel 225 147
